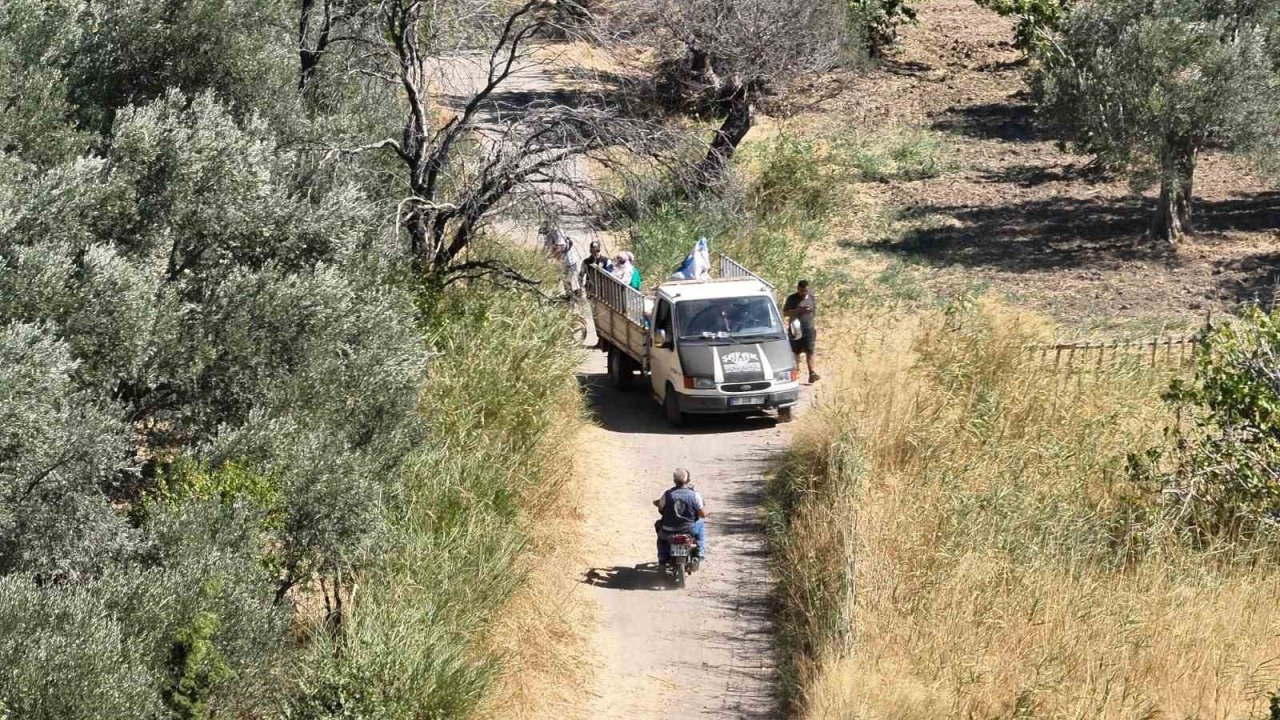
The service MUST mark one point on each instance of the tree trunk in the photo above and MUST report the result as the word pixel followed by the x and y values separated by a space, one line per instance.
pixel 702 71
pixel 1172 220
pixel 737 123
pixel 309 55
pixel 307 60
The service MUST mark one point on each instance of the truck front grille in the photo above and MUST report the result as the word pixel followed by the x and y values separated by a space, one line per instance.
pixel 746 387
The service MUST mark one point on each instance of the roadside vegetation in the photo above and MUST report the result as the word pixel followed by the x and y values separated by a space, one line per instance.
pixel 964 530
pixel 282 420
pixel 260 456
pixel 787 194
pixel 960 531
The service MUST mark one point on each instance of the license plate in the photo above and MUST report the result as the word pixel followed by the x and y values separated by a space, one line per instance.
pixel 680 551
pixel 746 401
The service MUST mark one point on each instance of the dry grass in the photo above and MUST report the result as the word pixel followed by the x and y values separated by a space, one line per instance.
pixel 541 633
pixel 962 540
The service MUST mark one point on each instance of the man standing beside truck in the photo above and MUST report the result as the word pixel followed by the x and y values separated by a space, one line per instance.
pixel 799 309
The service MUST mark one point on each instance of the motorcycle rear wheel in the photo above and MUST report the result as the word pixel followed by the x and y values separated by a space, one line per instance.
pixel 680 574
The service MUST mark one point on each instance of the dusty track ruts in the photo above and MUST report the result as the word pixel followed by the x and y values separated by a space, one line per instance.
pixel 702 652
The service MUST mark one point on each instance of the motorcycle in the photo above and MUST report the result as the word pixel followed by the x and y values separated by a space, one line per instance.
pixel 683 556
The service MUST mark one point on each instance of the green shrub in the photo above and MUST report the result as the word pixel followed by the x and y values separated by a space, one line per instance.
pixel 903 155
pixel 872 25
pixel 1036 19
pixel 197 667
pixel 791 178
pixel 1223 467
pixel 188 478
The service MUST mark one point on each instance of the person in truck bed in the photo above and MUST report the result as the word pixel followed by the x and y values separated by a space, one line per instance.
pixel 624 269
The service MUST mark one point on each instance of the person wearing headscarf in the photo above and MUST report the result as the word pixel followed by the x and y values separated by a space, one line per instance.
pixel 622 266
pixel 634 280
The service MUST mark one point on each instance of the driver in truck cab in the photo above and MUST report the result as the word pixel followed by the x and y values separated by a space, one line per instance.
pixel 682 512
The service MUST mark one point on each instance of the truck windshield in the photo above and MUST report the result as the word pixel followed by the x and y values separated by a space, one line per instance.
pixel 738 318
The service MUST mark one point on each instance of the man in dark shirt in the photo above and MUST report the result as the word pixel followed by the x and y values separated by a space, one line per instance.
pixel 595 258
pixel 800 305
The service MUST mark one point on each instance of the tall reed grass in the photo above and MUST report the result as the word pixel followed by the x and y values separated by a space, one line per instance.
pixel 956 534
pixel 436 629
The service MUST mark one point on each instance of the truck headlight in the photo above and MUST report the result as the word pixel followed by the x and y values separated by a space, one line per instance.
pixel 699 383
pixel 785 376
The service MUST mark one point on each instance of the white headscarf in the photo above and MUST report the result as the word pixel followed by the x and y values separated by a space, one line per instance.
pixel 622 266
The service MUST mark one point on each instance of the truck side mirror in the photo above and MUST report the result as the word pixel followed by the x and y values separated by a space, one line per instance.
pixel 660 338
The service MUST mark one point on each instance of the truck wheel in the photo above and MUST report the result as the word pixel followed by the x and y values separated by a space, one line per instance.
pixel 671 405
pixel 620 373
pixel 784 415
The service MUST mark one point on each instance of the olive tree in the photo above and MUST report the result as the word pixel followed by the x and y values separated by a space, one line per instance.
pixel 1036 19
pixel 873 24
pixel 60 449
pixel 33 95
pixel 221 313
pixel 1147 87
pixel 130 52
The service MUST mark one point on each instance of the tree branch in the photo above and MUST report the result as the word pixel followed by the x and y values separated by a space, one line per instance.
pixel 477 269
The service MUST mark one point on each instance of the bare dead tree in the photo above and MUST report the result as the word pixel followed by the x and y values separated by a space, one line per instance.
pixel 469 156
pixel 735 51
pixel 322 25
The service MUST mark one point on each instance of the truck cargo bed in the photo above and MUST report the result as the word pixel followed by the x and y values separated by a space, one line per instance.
pixel 618 311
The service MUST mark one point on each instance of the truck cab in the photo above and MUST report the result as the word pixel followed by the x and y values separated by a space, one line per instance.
pixel 720 348
pixel 713 346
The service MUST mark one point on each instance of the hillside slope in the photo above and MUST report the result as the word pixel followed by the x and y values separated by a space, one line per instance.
pixel 1018 212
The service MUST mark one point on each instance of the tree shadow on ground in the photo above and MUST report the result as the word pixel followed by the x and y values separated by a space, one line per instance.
pixel 1004 121
pixel 635 96
pixel 1064 232
pixel 582 90
pixel 1000 66
pixel 906 68
pixel 1252 279
pixel 1032 175
pixel 508 105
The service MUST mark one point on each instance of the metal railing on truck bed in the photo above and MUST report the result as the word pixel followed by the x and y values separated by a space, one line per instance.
pixel 618 311
pixel 730 269
pixel 617 295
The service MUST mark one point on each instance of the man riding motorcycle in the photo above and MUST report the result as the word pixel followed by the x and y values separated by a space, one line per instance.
pixel 682 512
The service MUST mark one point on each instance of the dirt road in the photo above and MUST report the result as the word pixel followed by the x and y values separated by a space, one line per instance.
pixel 704 651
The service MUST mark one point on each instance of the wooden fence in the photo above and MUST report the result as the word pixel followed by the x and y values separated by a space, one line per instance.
pixel 1172 352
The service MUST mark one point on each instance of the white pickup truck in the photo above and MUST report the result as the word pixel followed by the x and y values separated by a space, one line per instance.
pixel 715 346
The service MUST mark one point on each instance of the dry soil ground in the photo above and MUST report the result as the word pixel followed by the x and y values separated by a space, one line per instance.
pixel 699 652
pixel 1020 213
